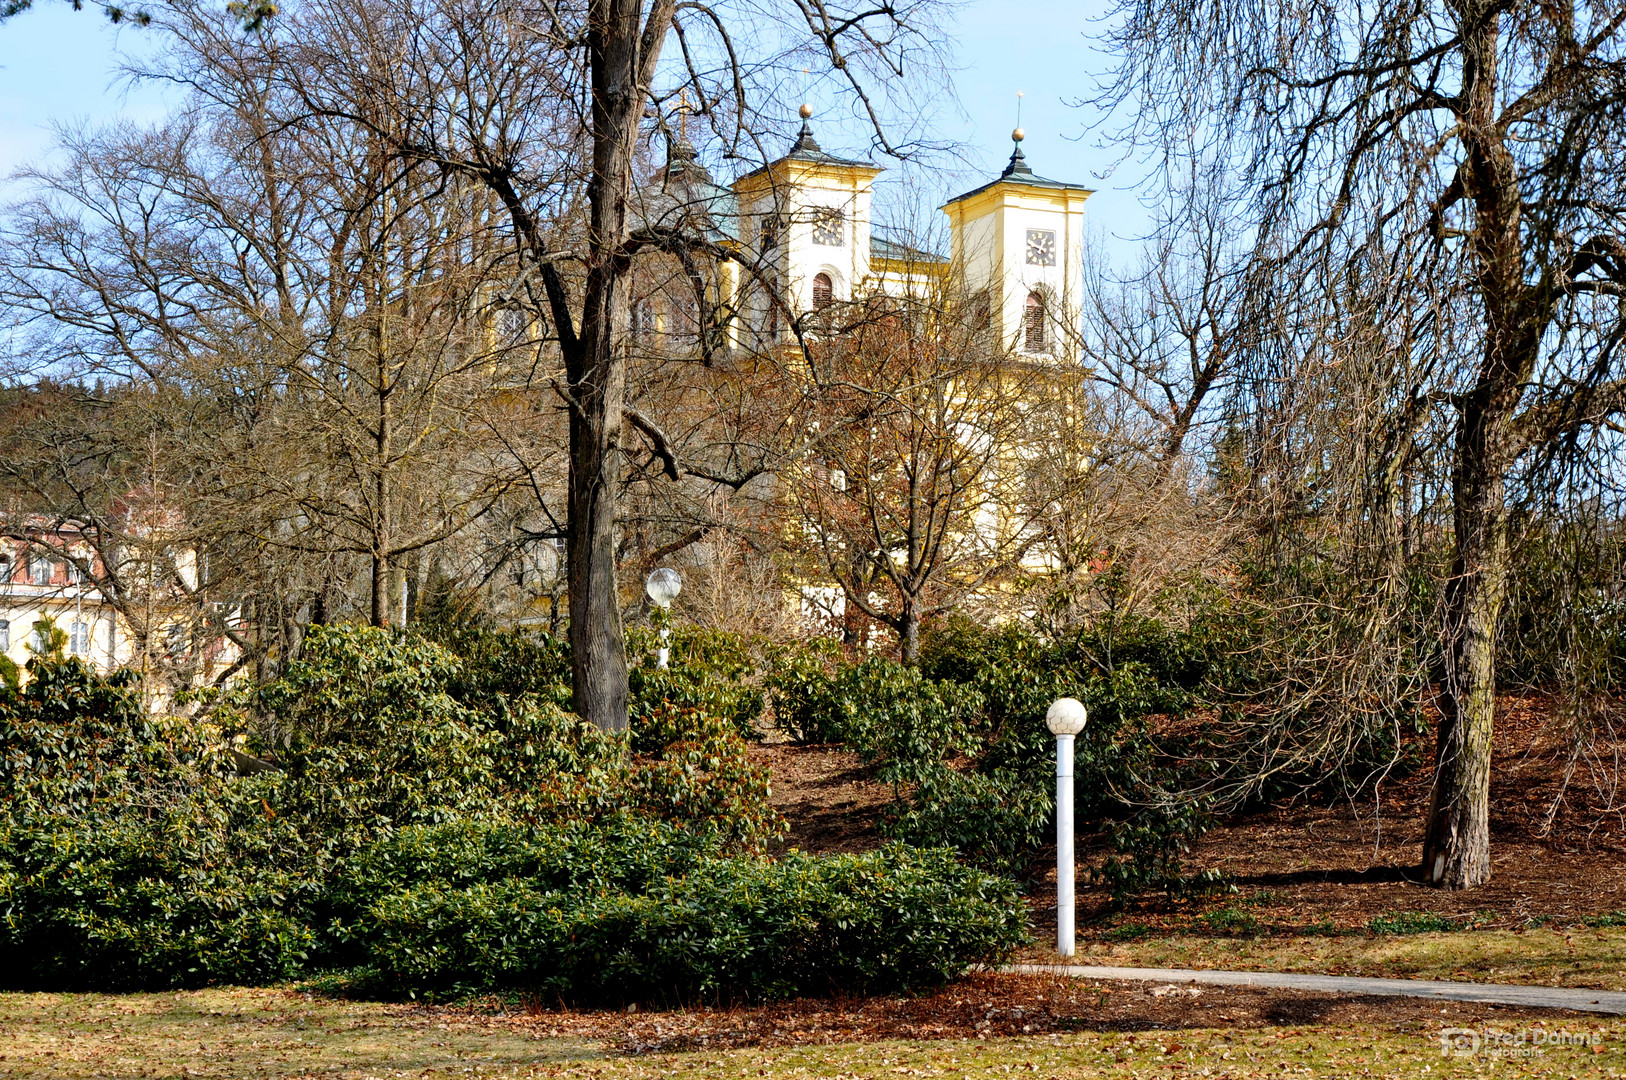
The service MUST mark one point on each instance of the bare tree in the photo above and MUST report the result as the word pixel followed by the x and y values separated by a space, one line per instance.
pixel 1169 339
pixel 912 499
pixel 296 330
pixel 543 105
pixel 1473 150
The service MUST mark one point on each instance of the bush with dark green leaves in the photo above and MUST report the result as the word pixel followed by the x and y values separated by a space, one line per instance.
pixel 798 685
pixel 391 808
pixel 741 928
pixel 106 902
pixel 965 733
pixel 625 853
pixel 1149 852
pixel 377 730
pixel 131 855
pixel 995 820
pixel 891 714
pixel 710 671
pixel 70 739
pixel 1125 669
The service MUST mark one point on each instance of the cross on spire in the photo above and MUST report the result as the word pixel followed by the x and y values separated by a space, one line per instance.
pixel 684 111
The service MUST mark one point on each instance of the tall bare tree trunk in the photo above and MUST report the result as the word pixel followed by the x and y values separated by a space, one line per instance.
pixel 1456 848
pixel 622 50
pixel 383 437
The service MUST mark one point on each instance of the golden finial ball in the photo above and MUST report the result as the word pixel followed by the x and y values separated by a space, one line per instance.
pixel 806 111
pixel 1018 135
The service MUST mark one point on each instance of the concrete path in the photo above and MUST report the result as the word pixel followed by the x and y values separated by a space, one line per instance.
pixel 1612 1002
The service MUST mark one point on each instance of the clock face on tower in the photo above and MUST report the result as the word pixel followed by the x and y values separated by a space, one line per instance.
pixel 1041 247
pixel 829 227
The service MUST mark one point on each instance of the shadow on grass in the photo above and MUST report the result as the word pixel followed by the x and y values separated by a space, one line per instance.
pixel 1372 875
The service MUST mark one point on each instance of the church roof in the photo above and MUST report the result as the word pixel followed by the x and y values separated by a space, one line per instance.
pixel 807 149
pixel 882 248
pixel 688 196
pixel 1018 172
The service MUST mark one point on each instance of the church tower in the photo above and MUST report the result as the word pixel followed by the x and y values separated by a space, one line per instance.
pixel 1017 250
pixel 807 217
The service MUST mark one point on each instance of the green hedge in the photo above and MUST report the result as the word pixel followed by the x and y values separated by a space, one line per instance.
pixel 730 928
pixel 630 910
pixel 623 854
pixel 106 904
pixel 436 825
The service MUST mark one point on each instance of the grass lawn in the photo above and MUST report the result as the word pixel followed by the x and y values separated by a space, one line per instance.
pixel 1544 956
pixel 254 1033
pixel 230 1033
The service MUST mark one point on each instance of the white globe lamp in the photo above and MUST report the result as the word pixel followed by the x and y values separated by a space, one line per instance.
pixel 1065 719
pixel 663 587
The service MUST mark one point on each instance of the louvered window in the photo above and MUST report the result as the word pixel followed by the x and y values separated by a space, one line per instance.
pixel 1033 324
pixel 824 291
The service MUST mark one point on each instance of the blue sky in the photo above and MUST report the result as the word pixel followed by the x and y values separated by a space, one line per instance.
pixel 1048 50
pixel 58 65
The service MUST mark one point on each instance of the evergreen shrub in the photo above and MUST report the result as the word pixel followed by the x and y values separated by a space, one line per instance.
pixel 123 903
pixel 710 671
pixel 963 737
pixel 891 714
pixel 432 823
pixel 741 928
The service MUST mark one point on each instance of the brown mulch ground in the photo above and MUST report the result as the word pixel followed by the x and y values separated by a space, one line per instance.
pixel 827 795
pixel 990 1005
pixel 1348 861
pixel 1316 859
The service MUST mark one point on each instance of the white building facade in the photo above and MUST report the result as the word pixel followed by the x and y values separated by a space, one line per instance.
pixel 39 587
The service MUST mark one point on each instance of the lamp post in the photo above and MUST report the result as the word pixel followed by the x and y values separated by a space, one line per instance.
pixel 1065 719
pixel 663 587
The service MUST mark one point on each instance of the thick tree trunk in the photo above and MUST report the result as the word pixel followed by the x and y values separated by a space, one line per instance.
pixel 1456 848
pixel 621 57
pixel 909 632
pixel 598 658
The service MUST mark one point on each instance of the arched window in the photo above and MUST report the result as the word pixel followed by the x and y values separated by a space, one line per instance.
pixel 1033 324
pixel 824 291
pixel 5 635
pixel 5 568
pixel 641 319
